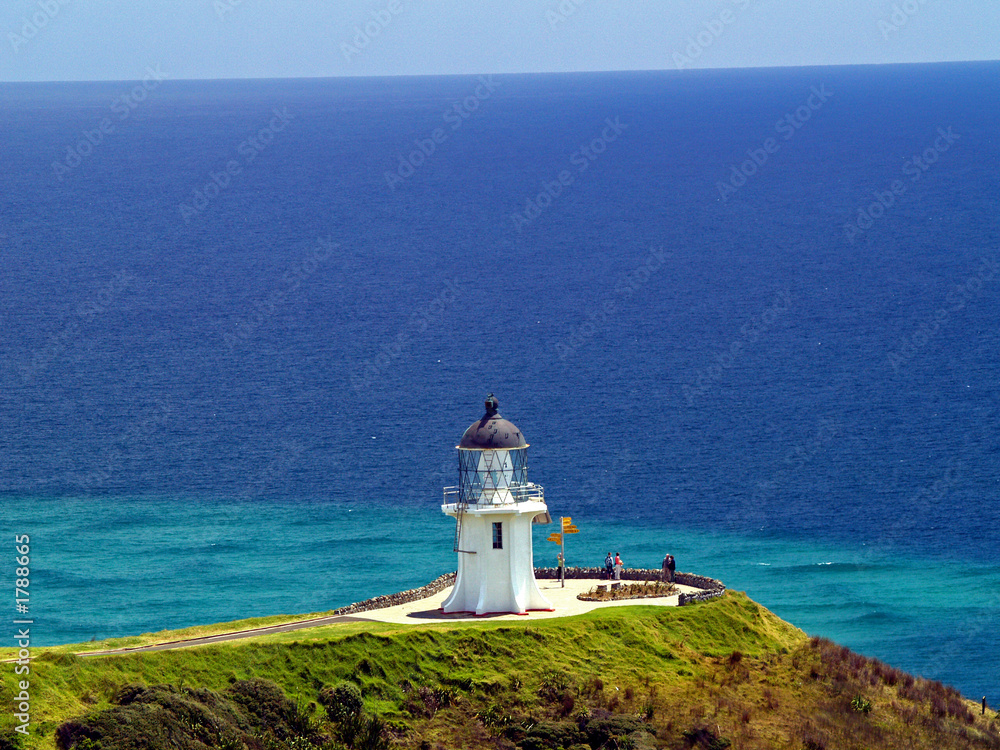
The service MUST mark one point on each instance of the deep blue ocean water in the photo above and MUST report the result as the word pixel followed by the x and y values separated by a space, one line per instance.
pixel 748 316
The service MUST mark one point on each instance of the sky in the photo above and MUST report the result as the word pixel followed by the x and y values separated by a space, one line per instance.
pixel 74 40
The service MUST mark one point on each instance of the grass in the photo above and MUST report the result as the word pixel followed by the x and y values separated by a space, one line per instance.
pixel 164 636
pixel 725 670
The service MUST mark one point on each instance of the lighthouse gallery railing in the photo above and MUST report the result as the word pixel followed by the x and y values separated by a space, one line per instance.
pixel 520 494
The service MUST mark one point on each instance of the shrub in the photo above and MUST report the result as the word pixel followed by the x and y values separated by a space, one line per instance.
pixel 939 707
pixel 269 708
pixel 362 733
pixel 494 718
pixel 252 713
pixel 861 704
pixel 554 684
pixel 549 734
pixel 568 702
pixel 601 730
pixel 349 729
pixel 372 736
pixel 857 662
pixel 342 702
pixel 705 739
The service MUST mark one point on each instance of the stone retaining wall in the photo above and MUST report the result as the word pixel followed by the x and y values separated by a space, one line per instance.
pixel 711 587
pixel 628 574
pixel 403 597
pixel 701 596
pixel 699 582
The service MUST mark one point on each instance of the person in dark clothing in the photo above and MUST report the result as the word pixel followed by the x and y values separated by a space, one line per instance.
pixel 668 568
pixel 609 566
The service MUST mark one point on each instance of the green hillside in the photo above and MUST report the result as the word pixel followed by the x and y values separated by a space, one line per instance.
pixel 725 673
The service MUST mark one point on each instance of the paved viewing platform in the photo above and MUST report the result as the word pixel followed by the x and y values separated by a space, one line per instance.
pixel 563 599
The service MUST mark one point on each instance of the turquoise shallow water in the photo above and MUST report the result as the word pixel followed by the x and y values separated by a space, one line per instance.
pixel 112 567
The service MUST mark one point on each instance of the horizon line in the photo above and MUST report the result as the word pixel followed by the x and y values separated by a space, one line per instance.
pixel 523 72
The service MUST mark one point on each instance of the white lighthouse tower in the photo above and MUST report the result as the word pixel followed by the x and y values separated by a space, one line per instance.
pixel 494 505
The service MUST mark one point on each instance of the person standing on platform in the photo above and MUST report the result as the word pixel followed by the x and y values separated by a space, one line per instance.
pixel 609 566
pixel 668 568
pixel 619 567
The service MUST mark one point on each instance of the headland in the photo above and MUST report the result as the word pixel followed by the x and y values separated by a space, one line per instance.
pixel 722 672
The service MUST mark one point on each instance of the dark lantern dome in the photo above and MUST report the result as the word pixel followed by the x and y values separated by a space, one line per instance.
pixel 492 432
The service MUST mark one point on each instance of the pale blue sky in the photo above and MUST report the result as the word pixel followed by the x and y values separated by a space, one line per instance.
pixel 118 40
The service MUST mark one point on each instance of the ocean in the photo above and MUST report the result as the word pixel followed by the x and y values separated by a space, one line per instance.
pixel 749 317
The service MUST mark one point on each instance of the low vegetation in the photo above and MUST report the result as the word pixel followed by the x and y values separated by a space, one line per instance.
pixel 722 674
pixel 644 590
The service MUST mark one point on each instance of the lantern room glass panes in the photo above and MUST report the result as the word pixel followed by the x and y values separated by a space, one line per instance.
pixel 492 476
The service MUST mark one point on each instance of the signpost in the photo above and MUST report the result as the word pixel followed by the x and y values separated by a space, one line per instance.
pixel 566 523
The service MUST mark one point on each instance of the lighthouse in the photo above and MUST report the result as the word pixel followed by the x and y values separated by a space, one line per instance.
pixel 494 506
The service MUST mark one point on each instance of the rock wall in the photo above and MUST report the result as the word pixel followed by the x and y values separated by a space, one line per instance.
pixel 699 582
pixel 711 588
pixel 628 574
pixel 403 597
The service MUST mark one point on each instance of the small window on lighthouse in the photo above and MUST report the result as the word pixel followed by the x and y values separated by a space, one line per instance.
pixel 498 536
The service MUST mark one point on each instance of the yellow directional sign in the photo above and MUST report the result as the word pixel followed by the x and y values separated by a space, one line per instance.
pixel 566 523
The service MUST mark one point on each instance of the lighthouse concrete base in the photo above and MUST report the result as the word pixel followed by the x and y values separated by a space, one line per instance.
pixel 496 571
